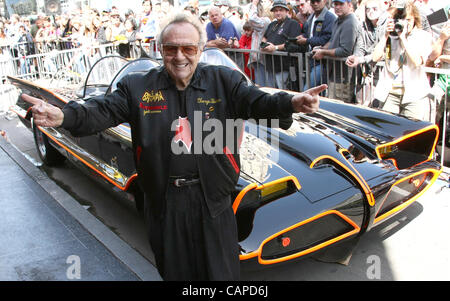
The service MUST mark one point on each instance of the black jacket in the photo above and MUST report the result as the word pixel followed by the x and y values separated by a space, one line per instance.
pixel 145 100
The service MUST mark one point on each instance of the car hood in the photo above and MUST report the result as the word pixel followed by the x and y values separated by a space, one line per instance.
pixel 309 151
pixel 338 147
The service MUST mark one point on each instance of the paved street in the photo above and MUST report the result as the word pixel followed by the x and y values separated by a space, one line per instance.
pixel 413 245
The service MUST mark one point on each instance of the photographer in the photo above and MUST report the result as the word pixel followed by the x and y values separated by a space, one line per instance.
pixel 403 85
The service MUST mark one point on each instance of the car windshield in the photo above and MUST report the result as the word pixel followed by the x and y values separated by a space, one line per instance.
pixel 214 56
pixel 104 70
pixel 140 65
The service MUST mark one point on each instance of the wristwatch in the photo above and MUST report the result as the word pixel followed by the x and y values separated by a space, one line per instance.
pixel 276 47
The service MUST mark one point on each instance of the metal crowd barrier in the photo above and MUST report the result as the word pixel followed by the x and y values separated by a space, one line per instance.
pixel 292 71
pixel 60 68
pixel 298 72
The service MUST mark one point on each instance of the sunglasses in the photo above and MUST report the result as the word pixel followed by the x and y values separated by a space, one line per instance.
pixel 172 50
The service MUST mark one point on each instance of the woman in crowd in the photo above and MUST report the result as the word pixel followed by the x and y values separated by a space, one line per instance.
pixel 259 20
pixel 370 12
pixel 127 38
pixel 403 84
pixel 4 41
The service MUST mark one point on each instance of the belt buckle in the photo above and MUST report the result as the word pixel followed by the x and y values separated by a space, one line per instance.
pixel 179 182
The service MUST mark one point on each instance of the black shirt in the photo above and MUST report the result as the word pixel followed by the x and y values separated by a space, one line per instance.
pixel 277 34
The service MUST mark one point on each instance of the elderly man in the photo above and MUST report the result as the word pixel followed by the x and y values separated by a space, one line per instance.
pixel 342 44
pixel 275 37
pixel 191 224
pixel 220 31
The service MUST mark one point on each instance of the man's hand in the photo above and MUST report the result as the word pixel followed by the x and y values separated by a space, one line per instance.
pixel 318 54
pixel 221 43
pixel 301 40
pixel 352 61
pixel 44 114
pixel 233 43
pixel 308 101
pixel 269 48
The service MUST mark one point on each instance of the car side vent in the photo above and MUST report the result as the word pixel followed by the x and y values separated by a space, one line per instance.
pixel 411 149
pixel 306 238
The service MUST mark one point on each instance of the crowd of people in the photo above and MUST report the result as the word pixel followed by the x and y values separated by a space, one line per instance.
pixel 360 33
pixel 187 199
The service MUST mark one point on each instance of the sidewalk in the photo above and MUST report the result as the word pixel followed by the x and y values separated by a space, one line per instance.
pixel 46 235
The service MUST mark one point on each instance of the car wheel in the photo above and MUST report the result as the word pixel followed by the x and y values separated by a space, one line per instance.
pixel 48 154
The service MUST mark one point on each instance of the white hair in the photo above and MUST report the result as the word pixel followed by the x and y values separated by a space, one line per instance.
pixel 184 18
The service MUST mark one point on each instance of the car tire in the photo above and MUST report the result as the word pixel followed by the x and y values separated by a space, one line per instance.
pixel 48 154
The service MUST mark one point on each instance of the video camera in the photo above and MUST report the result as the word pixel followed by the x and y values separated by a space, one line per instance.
pixel 291 45
pixel 439 16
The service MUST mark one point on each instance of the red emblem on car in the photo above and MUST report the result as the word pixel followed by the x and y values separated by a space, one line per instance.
pixel 285 241
pixel 183 133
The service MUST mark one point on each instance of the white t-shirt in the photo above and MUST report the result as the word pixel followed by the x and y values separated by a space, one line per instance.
pixel 415 79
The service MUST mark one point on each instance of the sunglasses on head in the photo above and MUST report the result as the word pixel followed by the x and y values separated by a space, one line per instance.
pixel 172 50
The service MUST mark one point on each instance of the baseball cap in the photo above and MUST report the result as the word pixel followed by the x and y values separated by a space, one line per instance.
pixel 279 3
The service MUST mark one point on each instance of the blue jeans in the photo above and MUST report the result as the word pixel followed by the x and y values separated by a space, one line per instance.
pixel 260 74
pixel 315 76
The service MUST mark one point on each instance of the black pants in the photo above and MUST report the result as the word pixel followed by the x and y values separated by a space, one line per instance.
pixel 191 245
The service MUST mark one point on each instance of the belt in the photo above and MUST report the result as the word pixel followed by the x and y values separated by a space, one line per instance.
pixel 181 181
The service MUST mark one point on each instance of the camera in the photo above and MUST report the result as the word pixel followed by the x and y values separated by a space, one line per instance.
pixel 399 21
pixel 398 27
pixel 291 45
pixel 292 40
pixel 263 45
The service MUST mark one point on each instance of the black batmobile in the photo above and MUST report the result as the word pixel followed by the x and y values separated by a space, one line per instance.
pixel 328 179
